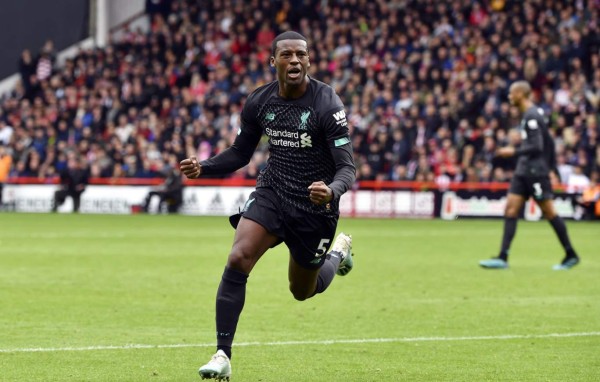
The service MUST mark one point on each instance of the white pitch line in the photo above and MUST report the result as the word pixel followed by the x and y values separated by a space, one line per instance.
pixel 309 342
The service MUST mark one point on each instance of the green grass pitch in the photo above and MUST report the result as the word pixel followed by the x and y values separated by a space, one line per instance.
pixel 131 298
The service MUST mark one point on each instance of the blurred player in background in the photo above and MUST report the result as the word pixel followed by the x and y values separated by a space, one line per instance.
pixel 536 158
pixel 73 181
pixel 170 193
pixel 296 200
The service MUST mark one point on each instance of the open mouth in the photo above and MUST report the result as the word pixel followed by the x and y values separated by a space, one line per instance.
pixel 294 73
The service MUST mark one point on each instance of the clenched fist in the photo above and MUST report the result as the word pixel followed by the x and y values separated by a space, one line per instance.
pixel 190 167
pixel 320 193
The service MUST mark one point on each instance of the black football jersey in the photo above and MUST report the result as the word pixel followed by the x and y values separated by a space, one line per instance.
pixel 536 154
pixel 301 134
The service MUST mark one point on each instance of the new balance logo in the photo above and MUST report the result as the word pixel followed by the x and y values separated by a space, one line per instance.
pixel 270 117
pixel 339 115
pixel 305 140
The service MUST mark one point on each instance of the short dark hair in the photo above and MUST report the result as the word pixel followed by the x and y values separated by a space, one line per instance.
pixel 523 86
pixel 289 35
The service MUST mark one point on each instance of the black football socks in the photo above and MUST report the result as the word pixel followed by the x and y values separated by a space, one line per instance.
pixel 510 227
pixel 561 231
pixel 327 272
pixel 231 296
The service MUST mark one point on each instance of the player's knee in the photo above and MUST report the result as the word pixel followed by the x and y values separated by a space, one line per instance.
pixel 300 294
pixel 240 260
pixel 549 215
pixel 548 210
pixel 512 213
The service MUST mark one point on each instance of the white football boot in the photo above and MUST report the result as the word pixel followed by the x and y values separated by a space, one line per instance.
pixel 342 247
pixel 218 368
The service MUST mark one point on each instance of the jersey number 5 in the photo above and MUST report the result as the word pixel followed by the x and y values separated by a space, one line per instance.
pixel 322 247
pixel 537 189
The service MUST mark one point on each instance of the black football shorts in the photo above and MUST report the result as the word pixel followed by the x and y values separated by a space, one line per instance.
pixel 307 236
pixel 539 187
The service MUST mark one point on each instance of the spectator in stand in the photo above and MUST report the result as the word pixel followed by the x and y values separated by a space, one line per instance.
pixel 578 181
pixel 587 205
pixel 5 165
pixel 27 68
pixel 6 132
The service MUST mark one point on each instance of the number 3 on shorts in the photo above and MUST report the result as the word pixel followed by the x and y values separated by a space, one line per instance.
pixel 537 189
pixel 322 247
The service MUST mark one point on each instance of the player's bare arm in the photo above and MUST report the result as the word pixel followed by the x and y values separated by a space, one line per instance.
pixel 505 152
pixel 320 193
pixel 190 167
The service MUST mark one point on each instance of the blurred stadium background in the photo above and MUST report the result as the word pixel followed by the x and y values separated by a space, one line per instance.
pixel 129 88
pixel 133 87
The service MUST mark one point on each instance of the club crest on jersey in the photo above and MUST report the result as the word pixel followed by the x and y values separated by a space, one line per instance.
pixel 303 120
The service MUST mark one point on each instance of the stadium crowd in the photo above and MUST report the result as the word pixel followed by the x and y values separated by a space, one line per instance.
pixel 424 83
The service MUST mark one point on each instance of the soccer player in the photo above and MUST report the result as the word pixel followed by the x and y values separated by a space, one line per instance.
pixel 169 193
pixel 536 158
pixel 297 195
pixel 73 181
